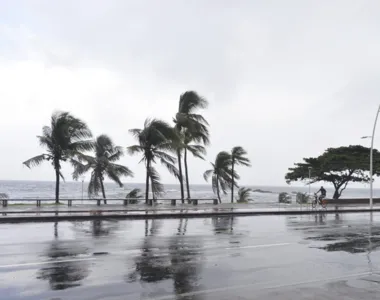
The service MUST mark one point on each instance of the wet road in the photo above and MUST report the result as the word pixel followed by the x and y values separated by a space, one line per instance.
pixel 271 257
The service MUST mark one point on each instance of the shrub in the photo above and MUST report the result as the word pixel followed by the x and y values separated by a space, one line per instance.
pixel 284 198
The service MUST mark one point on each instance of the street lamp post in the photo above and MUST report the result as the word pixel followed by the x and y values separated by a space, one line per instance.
pixel 371 159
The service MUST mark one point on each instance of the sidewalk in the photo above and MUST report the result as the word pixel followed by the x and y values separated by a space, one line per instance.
pixel 89 212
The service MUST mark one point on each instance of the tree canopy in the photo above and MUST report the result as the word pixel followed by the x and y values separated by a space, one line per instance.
pixel 338 166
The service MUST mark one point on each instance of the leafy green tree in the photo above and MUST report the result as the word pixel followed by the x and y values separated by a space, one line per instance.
pixel 102 165
pixel 192 142
pixel 221 174
pixel 155 141
pixel 237 158
pixel 186 117
pixel 337 166
pixel 65 137
pixel 244 195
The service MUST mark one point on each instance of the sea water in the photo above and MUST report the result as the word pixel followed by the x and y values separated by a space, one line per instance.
pixel 77 190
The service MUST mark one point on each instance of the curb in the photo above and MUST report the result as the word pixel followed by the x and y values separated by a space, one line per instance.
pixel 57 218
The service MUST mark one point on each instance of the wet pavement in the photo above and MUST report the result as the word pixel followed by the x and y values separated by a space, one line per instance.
pixel 14 214
pixel 321 256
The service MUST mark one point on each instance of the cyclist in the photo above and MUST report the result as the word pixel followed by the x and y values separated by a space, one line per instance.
pixel 322 195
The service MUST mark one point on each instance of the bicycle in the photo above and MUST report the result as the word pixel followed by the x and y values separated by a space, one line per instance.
pixel 317 201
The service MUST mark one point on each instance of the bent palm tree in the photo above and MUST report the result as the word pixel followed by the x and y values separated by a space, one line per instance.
pixel 221 174
pixel 62 139
pixel 244 195
pixel 237 158
pixel 191 143
pixel 155 140
pixel 186 117
pixel 102 164
pixel 133 196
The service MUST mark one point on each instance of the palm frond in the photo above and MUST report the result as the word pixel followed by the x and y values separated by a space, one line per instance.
pixel 61 175
pixel 190 101
pixel 135 132
pixel 114 172
pixel 207 174
pixel 134 194
pixel 165 156
pixel 197 150
pixel 157 186
pixel 116 154
pixel 238 155
pixel 46 141
pixel 36 161
pixel 170 167
pixel 244 195
pixel 214 183
pixel 224 185
pixel 132 150
pixel 82 146
pixel 79 168
pixel 94 186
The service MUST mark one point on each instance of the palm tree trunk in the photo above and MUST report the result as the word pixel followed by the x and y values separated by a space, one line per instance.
pixel 180 175
pixel 103 191
pixel 147 183
pixel 187 175
pixel 57 185
pixel 153 196
pixel 217 188
pixel 233 182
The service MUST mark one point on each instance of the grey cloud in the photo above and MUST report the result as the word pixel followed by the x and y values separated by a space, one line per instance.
pixel 272 70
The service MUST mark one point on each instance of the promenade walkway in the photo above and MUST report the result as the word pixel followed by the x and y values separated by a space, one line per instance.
pixel 24 213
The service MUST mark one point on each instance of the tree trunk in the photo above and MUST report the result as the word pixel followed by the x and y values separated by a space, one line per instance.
pixel 336 194
pixel 103 191
pixel 217 189
pixel 153 196
pixel 233 182
pixel 57 178
pixel 187 175
pixel 147 183
pixel 180 175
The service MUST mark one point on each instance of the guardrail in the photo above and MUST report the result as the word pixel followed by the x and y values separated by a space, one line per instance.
pixel 5 202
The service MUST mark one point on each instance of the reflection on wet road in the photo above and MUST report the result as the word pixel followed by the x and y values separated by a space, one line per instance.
pixel 199 259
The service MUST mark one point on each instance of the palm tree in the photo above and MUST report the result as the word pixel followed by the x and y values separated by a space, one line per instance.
pixel 155 140
pixel 244 195
pixel 62 139
pixel 222 174
pixel 191 143
pixel 133 196
pixel 102 164
pixel 237 158
pixel 186 117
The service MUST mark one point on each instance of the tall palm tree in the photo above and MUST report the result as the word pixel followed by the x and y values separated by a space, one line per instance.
pixel 186 117
pixel 155 140
pixel 237 158
pixel 102 165
pixel 192 142
pixel 64 138
pixel 221 173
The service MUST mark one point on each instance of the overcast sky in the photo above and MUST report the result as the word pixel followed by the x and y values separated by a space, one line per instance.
pixel 285 79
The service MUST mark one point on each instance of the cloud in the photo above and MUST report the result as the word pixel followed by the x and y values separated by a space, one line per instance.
pixel 284 79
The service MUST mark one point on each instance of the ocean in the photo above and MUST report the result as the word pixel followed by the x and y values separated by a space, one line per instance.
pixel 73 190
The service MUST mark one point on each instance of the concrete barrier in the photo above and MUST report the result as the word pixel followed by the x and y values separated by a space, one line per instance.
pixel 38 201
pixel 345 201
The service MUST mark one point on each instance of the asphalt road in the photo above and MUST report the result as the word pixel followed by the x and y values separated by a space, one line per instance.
pixel 267 257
